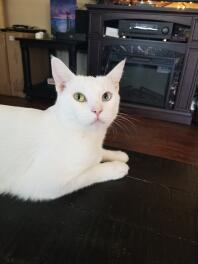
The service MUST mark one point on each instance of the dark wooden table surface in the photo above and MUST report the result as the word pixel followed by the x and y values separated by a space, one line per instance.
pixel 150 216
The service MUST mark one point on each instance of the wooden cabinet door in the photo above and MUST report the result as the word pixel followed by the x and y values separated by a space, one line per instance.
pixel 15 61
pixel 5 88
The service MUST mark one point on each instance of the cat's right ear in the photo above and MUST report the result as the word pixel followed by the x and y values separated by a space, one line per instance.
pixel 60 73
pixel 116 74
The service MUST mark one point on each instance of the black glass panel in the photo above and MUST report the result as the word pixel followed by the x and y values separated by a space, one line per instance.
pixel 145 84
pixel 150 72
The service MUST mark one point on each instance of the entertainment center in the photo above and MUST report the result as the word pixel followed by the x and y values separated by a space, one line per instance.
pixel 161 48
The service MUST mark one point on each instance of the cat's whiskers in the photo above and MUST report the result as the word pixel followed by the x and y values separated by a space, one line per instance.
pixel 129 117
pixel 113 130
pixel 124 126
pixel 125 121
pixel 117 125
pixel 130 126
pixel 121 127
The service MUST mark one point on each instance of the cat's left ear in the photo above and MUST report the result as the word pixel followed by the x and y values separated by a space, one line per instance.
pixel 116 74
pixel 60 73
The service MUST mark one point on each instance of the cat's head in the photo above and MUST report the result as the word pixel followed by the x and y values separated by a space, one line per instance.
pixel 90 101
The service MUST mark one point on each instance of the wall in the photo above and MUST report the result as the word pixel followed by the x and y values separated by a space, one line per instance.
pixel 37 13
pixel 28 12
pixel 2 20
pixel 32 12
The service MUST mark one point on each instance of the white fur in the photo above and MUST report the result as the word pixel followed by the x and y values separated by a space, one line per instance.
pixel 46 154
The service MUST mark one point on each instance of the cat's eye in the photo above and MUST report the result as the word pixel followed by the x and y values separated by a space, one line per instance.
pixel 106 96
pixel 80 97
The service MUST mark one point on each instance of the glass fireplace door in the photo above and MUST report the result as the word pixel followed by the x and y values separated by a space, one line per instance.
pixel 146 81
pixel 151 73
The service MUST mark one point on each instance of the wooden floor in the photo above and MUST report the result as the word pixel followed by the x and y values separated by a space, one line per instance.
pixel 163 139
pixel 148 217
pixel 135 133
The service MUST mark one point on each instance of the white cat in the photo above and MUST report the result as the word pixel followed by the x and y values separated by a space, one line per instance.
pixel 47 154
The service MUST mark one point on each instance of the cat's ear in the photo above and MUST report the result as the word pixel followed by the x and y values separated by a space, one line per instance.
pixel 61 74
pixel 116 74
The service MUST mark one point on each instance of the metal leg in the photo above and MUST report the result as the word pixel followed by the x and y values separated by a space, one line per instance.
pixel 73 58
pixel 26 70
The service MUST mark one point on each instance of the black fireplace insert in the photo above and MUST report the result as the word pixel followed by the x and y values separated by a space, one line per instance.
pixel 152 71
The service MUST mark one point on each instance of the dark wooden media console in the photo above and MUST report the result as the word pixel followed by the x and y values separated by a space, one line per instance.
pixel 184 41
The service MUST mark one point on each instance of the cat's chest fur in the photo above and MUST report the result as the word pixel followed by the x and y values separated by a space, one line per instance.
pixel 36 149
pixel 48 144
pixel 72 149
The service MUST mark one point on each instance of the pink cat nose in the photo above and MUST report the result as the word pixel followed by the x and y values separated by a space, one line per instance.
pixel 97 111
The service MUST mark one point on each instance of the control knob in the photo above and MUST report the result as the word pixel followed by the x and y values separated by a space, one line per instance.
pixel 165 30
pixel 173 90
pixel 171 102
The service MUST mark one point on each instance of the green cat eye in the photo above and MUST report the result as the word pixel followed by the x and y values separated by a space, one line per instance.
pixel 106 96
pixel 80 97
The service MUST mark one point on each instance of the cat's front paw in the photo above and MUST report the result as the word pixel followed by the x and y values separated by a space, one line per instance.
pixel 119 170
pixel 122 156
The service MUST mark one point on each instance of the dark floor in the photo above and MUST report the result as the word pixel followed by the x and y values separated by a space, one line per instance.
pixel 150 216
